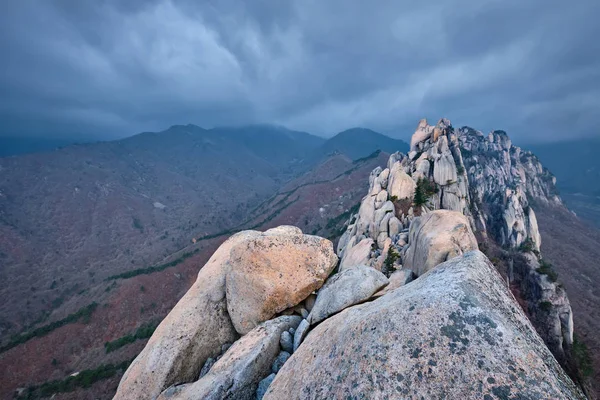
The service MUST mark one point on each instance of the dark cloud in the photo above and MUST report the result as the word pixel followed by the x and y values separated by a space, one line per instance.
pixel 112 68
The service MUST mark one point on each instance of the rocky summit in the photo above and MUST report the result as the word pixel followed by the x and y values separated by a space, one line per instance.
pixel 437 289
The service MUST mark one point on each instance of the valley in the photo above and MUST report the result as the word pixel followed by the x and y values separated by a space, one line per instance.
pixel 124 261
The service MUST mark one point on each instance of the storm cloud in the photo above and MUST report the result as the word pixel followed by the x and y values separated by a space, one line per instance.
pixel 113 68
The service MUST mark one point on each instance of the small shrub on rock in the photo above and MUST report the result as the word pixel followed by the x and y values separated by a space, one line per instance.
pixel 424 190
pixel 547 269
pixel 545 306
pixel 388 265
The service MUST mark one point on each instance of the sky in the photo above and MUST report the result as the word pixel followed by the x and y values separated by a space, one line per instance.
pixel 109 69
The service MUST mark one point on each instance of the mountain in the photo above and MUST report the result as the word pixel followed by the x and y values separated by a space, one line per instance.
pixel 74 216
pixel 440 265
pixel 357 142
pixel 100 240
pixel 577 171
pixel 94 275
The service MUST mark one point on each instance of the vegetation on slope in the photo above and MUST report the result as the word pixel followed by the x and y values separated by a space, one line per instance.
pixel 143 332
pixel 83 315
pixel 155 268
pixel 424 190
pixel 547 269
pixel 83 379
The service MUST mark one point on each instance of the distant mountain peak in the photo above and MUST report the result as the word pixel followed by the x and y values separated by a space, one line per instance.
pixel 359 142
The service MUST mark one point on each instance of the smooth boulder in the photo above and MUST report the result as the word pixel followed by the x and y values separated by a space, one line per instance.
pixel 455 333
pixel 351 286
pixel 191 333
pixel 275 271
pixel 237 374
pixel 358 254
pixel 436 237
pixel 281 266
pixel 400 184
pixel 287 342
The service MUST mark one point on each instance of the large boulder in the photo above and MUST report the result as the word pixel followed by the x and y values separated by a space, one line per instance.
pixel 454 333
pixel 366 214
pixel 381 198
pixel 532 229
pixel 272 272
pixel 400 184
pixel 193 331
pixel 237 374
pixel 358 254
pixel 285 267
pixel 436 237
pixel 351 286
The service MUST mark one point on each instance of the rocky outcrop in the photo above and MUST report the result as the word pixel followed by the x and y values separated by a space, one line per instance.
pixel 237 374
pixel 412 299
pixel 504 182
pixel 251 277
pixel 493 183
pixel 436 237
pixel 546 302
pixel 272 272
pixel 408 344
pixel 422 133
pixel 193 331
pixel 351 286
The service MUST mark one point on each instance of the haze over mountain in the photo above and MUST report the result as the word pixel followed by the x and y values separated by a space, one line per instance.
pixel 355 142
pixel 110 68
pixel 577 170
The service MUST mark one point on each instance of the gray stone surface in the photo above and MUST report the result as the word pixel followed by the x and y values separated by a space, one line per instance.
pixel 287 341
pixel 348 287
pixel 301 332
pixel 358 254
pixel 263 386
pixel 436 237
pixel 454 333
pixel 237 374
pixel 281 359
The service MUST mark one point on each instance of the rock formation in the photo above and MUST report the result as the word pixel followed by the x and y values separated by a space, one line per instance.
pixel 414 309
pixel 351 286
pixel 436 237
pixel 270 264
pixel 456 332
pixel 259 286
pixel 493 184
pixel 237 374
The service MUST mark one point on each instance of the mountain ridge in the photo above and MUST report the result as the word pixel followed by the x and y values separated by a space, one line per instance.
pixel 326 194
pixel 413 271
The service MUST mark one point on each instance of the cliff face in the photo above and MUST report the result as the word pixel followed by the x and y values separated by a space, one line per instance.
pixel 504 182
pixel 411 298
pixel 495 185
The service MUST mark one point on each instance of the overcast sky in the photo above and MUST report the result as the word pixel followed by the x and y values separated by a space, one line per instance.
pixel 115 68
